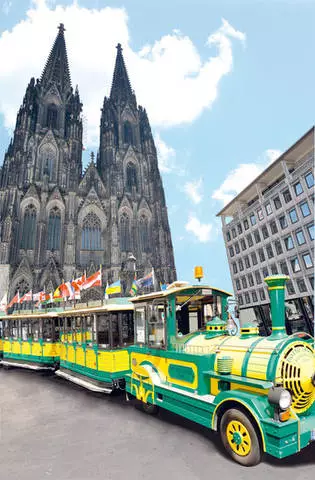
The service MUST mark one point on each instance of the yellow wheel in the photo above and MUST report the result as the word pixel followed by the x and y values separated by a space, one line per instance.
pixel 240 438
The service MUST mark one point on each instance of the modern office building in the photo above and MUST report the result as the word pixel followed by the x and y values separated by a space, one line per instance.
pixel 268 229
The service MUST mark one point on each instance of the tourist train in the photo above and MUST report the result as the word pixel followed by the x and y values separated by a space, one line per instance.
pixel 172 349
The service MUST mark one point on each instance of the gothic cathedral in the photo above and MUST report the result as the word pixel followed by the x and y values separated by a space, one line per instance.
pixel 57 221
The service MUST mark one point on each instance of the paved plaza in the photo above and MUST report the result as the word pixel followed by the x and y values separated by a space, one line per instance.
pixel 52 429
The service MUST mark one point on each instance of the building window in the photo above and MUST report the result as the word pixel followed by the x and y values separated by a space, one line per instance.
pixel 250 240
pixel 144 234
pixel 310 229
pixel 278 247
pixel 52 116
pixel 268 208
pixel 284 268
pixel 257 236
pixel 301 285
pixel 293 215
pixel 231 250
pixel 260 214
pixel 305 209
pixel 307 260
pixel 300 237
pixel 243 244
pixel 240 299
pixel 239 228
pixel 283 222
pixel 269 251
pixel 250 280
pixel 247 263
pixel 277 203
pixel 244 282
pixel 228 236
pixel 265 232
pixel 124 232
pixel 247 297
pixel 238 284
pixel 254 296
pixel 273 227
pixel 309 178
pixel 254 258
pixel 262 294
pixel 298 188
pixel 237 248
pixel 274 270
pixel 240 265
pixel 290 287
pixel 311 280
pixel 29 228
pixel 128 133
pixel 91 233
pixel 234 267
pixel 131 177
pixel 265 272
pixel 233 233
pixel 246 225
pixel 289 243
pixel 258 277
pixel 252 219
pixel 261 255
pixel 54 229
pixel 295 265
pixel 287 196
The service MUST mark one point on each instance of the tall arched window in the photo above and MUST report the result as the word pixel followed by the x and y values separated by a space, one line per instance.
pixel 54 229
pixel 124 233
pixel 29 228
pixel 91 233
pixel 128 133
pixel 131 177
pixel 52 115
pixel 48 155
pixel 144 233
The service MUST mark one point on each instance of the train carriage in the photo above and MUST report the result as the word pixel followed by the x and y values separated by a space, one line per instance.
pixel 258 392
pixel 31 340
pixel 94 341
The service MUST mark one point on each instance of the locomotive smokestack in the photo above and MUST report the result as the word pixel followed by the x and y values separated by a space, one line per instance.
pixel 276 288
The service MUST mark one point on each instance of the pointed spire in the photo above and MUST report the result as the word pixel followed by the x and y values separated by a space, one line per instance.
pixel 57 68
pixel 121 88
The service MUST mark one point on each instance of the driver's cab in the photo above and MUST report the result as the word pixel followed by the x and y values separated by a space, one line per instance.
pixel 164 319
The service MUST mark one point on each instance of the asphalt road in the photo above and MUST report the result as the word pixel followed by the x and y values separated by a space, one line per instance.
pixel 52 429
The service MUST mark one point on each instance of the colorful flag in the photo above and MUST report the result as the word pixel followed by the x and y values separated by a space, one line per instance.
pixel 14 300
pixel 134 288
pixel 113 288
pixel 57 295
pixel 39 297
pixel 106 294
pixel 94 280
pixel 3 303
pixel 146 281
pixel 79 282
pixel 27 297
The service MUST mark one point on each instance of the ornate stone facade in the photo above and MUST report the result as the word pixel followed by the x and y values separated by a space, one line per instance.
pixel 56 221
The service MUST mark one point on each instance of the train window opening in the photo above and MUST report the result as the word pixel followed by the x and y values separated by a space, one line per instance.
pixel 78 329
pixel 15 329
pixel 48 330
pixel 156 315
pixel 140 324
pixel 103 338
pixel 6 330
pixel 114 327
pixel 193 313
pixel 35 330
pixel 127 328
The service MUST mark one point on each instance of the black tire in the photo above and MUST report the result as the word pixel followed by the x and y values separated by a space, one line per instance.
pixel 240 438
pixel 149 408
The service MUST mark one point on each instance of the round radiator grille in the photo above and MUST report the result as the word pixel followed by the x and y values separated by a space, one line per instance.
pixel 296 369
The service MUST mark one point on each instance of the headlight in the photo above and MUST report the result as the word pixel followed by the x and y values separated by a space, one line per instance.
pixel 280 397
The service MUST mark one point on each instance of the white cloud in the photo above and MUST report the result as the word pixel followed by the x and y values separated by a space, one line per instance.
pixel 192 189
pixel 169 76
pixel 202 231
pixel 6 6
pixel 237 179
pixel 166 155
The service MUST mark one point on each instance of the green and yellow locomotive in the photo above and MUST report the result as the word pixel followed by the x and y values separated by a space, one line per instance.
pixel 258 392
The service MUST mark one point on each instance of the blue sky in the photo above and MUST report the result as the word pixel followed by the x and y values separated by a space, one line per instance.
pixel 227 85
